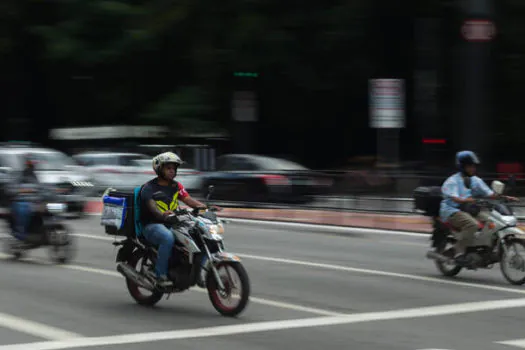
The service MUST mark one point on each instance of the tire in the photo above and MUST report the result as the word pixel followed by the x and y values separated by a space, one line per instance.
pixel 214 294
pixel 64 250
pixel 442 267
pixel 521 262
pixel 133 288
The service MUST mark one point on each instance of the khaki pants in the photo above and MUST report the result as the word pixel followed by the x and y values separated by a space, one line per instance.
pixel 467 226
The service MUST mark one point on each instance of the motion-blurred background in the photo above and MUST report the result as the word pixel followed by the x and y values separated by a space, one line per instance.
pixel 290 103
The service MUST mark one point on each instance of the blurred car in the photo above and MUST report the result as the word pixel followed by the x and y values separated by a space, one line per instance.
pixel 118 170
pixel 246 177
pixel 190 178
pixel 52 167
pixel 125 171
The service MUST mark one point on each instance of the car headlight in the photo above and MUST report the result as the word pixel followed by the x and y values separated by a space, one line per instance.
pixel 56 207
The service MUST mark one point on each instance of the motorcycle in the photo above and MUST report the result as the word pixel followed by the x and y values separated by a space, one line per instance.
pixel 197 260
pixel 497 241
pixel 45 228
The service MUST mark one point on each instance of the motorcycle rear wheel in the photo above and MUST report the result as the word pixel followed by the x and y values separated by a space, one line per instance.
pixel 447 270
pixel 136 261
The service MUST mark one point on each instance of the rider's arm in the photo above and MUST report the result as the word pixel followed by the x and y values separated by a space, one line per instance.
pixel 191 202
pixel 152 207
pixel 450 190
pixel 188 200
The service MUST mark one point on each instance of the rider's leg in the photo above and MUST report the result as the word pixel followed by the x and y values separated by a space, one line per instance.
pixel 467 226
pixel 160 235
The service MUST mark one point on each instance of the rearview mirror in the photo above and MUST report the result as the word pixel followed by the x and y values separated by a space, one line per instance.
pixel 498 186
pixel 210 191
pixel 511 182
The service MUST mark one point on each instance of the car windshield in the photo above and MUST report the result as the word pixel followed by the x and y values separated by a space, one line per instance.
pixel 279 164
pixel 142 162
pixel 51 160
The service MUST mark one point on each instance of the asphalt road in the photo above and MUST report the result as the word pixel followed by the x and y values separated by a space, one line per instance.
pixel 310 290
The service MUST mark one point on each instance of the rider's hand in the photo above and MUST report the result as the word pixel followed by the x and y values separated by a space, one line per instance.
pixel 469 200
pixel 167 213
pixel 215 208
pixel 512 199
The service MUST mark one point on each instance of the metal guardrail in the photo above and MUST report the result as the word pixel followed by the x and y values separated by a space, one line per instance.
pixel 383 205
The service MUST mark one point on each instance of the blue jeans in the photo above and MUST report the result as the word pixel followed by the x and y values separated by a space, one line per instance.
pixel 160 235
pixel 21 213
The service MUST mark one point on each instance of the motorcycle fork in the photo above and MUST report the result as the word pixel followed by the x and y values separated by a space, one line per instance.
pixel 212 266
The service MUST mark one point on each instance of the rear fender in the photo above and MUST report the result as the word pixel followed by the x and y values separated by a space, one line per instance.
pixel 125 252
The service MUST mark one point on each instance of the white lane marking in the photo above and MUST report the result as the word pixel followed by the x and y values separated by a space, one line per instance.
pixel 359 270
pixel 34 328
pixel 519 343
pixel 134 338
pixel 98 237
pixel 380 273
pixel 278 304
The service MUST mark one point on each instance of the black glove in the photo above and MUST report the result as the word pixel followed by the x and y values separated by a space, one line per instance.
pixel 171 219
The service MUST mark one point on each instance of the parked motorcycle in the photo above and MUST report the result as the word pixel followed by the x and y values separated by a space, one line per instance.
pixel 497 241
pixel 199 259
pixel 45 228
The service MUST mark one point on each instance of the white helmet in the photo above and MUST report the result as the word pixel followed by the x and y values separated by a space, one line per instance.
pixel 165 158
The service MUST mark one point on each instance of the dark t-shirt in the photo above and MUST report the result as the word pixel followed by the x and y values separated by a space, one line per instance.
pixel 174 193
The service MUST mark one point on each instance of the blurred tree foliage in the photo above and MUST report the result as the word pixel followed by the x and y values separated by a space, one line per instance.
pixel 104 61
pixel 74 62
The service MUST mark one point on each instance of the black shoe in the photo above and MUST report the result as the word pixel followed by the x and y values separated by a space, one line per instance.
pixel 461 260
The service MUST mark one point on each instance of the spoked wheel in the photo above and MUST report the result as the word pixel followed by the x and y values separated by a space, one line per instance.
pixel 512 263
pixel 13 247
pixel 62 244
pixel 233 299
pixel 141 295
pixel 447 269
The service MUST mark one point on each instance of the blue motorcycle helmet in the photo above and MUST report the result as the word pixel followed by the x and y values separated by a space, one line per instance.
pixel 464 159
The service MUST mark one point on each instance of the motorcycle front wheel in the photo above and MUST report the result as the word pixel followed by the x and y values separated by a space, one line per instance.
pixel 513 258
pixel 235 279
pixel 61 244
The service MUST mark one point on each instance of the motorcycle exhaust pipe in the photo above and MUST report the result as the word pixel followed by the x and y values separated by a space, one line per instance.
pixel 436 256
pixel 129 272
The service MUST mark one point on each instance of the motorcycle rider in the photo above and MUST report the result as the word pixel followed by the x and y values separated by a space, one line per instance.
pixel 23 196
pixel 458 191
pixel 155 214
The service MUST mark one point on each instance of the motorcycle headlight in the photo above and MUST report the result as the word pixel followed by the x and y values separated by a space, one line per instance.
pixel 56 207
pixel 216 229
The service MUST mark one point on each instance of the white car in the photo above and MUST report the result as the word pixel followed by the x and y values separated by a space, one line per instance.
pixel 125 171
pixel 52 167
pixel 190 178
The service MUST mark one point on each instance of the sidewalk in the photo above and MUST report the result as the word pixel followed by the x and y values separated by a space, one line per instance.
pixel 337 218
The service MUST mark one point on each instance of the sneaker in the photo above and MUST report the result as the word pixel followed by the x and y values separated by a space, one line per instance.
pixel 163 282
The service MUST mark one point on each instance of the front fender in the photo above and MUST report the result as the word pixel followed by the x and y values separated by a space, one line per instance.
pixel 223 256
pixel 513 233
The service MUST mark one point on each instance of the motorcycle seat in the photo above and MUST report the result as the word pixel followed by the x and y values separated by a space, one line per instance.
pixel 453 228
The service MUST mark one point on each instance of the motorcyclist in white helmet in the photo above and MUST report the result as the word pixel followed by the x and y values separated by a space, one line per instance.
pixel 154 215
